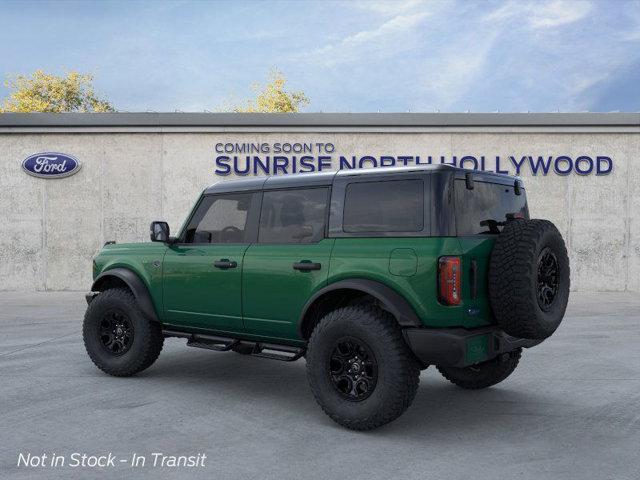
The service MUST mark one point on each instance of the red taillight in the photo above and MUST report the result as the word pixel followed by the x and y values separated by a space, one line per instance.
pixel 449 280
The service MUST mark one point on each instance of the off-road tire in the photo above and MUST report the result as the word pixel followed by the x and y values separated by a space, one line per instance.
pixel 398 372
pixel 147 335
pixel 514 278
pixel 484 374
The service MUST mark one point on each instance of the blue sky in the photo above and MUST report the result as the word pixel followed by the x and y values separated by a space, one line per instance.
pixel 348 56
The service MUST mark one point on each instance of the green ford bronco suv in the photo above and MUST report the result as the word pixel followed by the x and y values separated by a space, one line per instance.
pixel 371 275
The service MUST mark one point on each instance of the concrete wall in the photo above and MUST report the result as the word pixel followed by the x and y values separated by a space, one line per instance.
pixel 50 229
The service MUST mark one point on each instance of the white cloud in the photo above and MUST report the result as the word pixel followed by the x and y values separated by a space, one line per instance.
pixel 632 14
pixel 393 7
pixel 556 13
pixel 539 15
pixel 564 69
pixel 391 37
pixel 398 24
pixel 456 68
pixel 517 56
pixel 507 11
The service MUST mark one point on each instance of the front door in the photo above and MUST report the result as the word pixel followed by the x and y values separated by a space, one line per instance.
pixel 202 272
pixel 289 262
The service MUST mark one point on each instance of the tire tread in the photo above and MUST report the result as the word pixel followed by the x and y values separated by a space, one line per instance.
pixel 404 379
pixel 153 341
pixel 490 373
pixel 512 267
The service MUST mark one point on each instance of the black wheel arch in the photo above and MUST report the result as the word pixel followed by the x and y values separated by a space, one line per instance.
pixel 388 298
pixel 134 283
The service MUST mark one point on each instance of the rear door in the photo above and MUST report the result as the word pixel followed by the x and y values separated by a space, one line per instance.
pixel 289 262
pixel 202 272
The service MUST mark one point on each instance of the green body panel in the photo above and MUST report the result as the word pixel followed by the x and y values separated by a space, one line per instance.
pixel 139 258
pixel 389 261
pixel 273 293
pixel 263 297
pixel 196 293
pixel 403 262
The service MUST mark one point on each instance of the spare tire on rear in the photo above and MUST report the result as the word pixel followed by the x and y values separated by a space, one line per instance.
pixel 529 278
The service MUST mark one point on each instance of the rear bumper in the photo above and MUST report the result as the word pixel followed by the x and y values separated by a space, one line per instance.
pixel 459 347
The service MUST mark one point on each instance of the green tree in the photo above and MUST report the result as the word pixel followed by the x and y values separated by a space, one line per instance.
pixel 273 98
pixel 43 92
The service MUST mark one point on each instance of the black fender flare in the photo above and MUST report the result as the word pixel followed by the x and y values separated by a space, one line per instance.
pixel 135 284
pixel 391 300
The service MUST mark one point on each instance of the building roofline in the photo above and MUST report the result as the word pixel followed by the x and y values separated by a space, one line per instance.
pixel 323 120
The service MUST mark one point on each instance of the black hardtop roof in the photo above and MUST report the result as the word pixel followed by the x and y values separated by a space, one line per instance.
pixel 326 178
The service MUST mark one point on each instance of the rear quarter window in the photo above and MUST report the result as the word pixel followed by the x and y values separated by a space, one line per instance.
pixel 484 209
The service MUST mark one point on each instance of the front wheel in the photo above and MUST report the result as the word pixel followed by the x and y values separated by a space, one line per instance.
pixel 119 339
pixel 361 372
pixel 483 374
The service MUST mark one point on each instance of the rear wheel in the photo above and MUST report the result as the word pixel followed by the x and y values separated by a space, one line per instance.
pixel 483 374
pixel 360 370
pixel 119 339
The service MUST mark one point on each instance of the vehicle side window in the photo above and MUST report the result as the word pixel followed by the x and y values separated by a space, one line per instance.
pixel 293 216
pixel 388 206
pixel 219 219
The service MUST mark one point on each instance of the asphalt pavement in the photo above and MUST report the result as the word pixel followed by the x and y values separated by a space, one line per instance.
pixel 570 411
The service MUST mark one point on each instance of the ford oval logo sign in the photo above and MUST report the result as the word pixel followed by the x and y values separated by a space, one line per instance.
pixel 51 165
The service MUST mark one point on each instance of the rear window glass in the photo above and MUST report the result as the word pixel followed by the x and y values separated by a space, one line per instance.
pixel 485 208
pixel 390 206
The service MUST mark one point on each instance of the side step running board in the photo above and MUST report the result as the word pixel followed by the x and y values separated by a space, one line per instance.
pixel 273 351
pixel 212 342
pixel 277 352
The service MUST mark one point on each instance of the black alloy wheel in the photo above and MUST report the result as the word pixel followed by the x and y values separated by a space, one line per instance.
pixel 360 369
pixel 353 369
pixel 547 279
pixel 116 332
pixel 118 337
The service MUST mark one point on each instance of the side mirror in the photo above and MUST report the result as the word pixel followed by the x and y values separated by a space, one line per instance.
pixel 159 232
